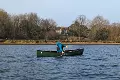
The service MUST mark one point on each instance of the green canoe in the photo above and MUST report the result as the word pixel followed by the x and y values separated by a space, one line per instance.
pixel 74 52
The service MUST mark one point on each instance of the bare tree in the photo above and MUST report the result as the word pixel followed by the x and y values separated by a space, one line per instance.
pixel 47 25
pixel 97 23
pixel 79 27
pixel 114 32
pixel 4 24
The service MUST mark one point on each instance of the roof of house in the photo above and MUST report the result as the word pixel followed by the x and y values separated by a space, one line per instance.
pixel 65 28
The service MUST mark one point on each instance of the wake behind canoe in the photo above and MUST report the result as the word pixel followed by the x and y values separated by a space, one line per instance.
pixel 74 52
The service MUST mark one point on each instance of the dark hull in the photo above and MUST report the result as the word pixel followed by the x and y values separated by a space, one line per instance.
pixel 55 54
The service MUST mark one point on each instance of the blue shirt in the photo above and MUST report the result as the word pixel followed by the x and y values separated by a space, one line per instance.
pixel 60 47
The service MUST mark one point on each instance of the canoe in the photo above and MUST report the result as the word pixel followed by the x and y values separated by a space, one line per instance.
pixel 74 52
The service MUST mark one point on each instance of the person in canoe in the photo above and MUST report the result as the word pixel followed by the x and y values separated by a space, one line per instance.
pixel 60 47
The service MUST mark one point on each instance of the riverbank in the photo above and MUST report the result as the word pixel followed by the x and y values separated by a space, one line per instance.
pixel 52 42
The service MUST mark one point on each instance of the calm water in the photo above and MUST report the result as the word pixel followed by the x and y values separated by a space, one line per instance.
pixel 99 62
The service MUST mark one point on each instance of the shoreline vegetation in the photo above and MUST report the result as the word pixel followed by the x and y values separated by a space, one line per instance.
pixel 29 28
pixel 53 42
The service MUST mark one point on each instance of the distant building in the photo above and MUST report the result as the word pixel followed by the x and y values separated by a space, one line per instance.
pixel 62 30
pixel 58 30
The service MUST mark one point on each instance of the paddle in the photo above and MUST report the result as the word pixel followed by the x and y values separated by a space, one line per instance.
pixel 63 50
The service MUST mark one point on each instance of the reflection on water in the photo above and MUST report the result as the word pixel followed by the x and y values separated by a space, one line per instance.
pixel 99 62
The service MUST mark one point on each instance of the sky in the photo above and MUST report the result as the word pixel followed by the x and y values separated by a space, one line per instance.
pixel 64 12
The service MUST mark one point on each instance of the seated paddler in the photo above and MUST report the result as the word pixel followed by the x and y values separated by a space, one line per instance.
pixel 60 47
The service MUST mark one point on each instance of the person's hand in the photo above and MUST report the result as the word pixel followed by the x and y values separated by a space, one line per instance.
pixel 66 46
pixel 62 52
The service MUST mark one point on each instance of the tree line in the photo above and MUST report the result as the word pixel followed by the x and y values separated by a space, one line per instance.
pixel 30 26
pixel 98 29
pixel 24 26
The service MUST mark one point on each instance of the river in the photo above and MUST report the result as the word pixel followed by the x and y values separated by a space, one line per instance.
pixel 98 62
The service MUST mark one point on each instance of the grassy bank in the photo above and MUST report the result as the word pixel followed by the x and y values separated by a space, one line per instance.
pixel 14 42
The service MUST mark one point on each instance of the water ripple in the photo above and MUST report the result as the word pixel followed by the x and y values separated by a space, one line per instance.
pixel 99 62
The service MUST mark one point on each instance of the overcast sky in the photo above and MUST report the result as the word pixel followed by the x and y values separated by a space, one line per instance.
pixel 64 12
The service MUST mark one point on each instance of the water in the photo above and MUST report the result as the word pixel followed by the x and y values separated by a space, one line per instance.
pixel 98 62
